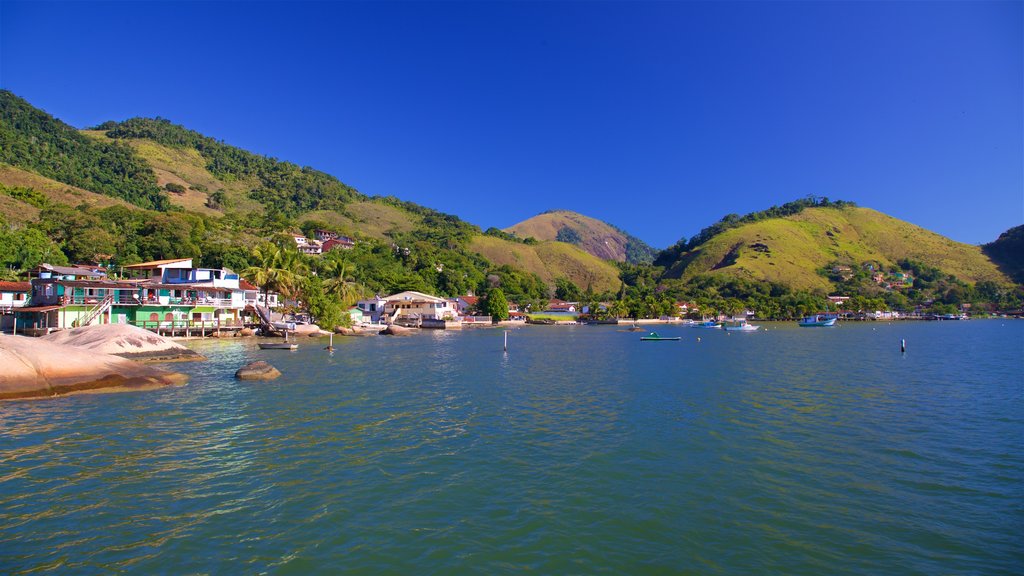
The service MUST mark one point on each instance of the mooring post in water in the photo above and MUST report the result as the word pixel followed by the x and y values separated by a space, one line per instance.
pixel 506 340
pixel 330 347
pixel 903 345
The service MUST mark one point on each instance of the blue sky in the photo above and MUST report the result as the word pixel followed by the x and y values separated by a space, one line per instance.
pixel 657 117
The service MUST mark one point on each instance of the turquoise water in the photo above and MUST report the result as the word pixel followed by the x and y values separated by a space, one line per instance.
pixel 582 450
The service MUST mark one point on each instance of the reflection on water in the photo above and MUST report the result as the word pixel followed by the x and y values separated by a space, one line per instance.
pixel 580 449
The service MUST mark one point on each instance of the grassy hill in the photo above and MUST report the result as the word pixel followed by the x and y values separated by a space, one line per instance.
pixel 790 250
pixel 593 236
pixel 549 260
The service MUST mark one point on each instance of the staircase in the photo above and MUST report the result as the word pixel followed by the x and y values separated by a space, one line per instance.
pixel 95 311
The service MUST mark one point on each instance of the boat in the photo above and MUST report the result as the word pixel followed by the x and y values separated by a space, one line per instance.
pixel 739 326
pixel 653 337
pixel 286 345
pixel 707 324
pixel 278 346
pixel 818 320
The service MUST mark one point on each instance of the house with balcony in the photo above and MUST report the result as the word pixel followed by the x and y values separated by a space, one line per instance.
pixel 13 295
pixel 163 294
pixel 372 308
pixel 411 308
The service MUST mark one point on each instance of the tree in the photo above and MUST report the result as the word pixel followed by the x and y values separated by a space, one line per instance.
pixel 497 305
pixel 324 307
pixel 566 290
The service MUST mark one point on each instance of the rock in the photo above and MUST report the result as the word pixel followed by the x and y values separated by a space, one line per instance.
pixel 257 371
pixel 123 340
pixel 344 331
pixel 37 368
pixel 302 329
pixel 246 332
pixel 396 330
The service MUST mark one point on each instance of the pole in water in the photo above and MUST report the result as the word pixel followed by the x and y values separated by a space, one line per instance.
pixel 903 345
pixel 330 346
pixel 506 340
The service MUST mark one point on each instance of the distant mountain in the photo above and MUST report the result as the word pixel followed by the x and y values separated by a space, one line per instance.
pixel 1007 252
pixel 793 250
pixel 594 236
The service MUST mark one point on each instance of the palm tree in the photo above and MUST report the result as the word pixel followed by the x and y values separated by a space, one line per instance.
pixel 276 268
pixel 339 282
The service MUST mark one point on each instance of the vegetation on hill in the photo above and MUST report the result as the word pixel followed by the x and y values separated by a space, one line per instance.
pixel 1007 252
pixel 232 208
pixel 283 186
pixel 730 221
pixel 594 236
pixel 34 140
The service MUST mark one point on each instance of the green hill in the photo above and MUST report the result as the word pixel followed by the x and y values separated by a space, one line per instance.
pixel 549 261
pixel 792 250
pixel 593 236
pixel 33 140
pixel 1007 252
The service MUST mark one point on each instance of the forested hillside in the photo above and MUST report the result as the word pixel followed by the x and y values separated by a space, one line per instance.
pixel 33 140
pixel 147 189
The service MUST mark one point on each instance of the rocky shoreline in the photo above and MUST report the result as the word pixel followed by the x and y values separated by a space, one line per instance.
pixel 91 359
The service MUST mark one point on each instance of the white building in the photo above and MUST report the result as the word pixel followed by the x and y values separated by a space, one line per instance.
pixel 410 306
pixel 14 294
pixel 372 308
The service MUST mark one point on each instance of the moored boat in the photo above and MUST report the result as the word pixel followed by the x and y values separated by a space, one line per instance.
pixel 653 337
pixel 817 320
pixel 739 326
pixel 278 346
pixel 707 324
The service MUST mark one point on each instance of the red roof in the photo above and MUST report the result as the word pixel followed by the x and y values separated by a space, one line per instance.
pixel 244 285
pixel 15 286
pixel 471 300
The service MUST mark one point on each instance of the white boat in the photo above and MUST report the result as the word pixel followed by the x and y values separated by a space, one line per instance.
pixel 818 320
pixel 286 345
pixel 739 326
pixel 278 346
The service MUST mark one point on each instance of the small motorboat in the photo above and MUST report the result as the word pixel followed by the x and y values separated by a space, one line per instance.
pixel 707 324
pixel 653 337
pixel 286 345
pixel 739 326
pixel 278 346
pixel 817 320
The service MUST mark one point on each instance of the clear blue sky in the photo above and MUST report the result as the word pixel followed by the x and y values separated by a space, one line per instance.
pixel 657 117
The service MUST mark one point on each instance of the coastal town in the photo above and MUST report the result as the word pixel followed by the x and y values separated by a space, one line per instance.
pixel 176 298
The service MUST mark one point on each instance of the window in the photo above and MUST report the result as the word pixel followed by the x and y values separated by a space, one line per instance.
pixel 168 317
pixel 154 317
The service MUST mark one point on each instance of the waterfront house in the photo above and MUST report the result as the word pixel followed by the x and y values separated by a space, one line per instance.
pixel 356 315
pixel 253 296
pixel 14 295
pixel 165 294
pixel 561 306
pixel 373 309
pixel 412 307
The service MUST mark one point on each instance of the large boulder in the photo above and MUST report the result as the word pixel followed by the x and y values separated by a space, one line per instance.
pixel 34 367
pixel 259 370
pixel 123 340
pixel 396 330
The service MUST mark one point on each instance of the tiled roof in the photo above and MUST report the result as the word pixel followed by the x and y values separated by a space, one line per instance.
pixel 157 263
pixel 15 286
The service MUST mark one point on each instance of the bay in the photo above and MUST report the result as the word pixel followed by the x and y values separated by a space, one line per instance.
pixel 580 450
